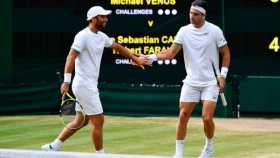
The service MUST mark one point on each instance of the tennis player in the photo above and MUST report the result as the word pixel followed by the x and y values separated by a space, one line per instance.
pixel 202 42
pixel 85 55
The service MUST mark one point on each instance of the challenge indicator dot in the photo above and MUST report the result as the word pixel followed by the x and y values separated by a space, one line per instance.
pixel 160 12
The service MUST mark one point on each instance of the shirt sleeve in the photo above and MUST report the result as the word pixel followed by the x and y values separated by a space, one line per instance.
pixel 179 37
pixel 79 43
pixel 220 39
pixel 108 41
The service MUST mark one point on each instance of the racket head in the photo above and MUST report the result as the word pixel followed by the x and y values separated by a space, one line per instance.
pixel 70 118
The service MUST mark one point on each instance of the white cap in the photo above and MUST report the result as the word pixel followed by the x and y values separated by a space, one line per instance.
pixel 97 10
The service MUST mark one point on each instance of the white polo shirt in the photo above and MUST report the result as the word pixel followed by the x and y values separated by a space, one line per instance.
pixel 200 47
pixel 90 45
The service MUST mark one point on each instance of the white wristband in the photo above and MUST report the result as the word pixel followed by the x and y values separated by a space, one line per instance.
pixel 67 77
pixel 154 57
pixel 224 72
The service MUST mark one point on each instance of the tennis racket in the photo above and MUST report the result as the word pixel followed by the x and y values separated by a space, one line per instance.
pixel 71 119
pixel 217 74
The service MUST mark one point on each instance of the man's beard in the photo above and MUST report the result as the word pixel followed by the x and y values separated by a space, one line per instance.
pixel 100 26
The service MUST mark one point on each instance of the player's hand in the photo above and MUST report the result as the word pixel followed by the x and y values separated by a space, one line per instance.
pixel 222 82
pixel 64 88
pixel 151 58
pixel 140 61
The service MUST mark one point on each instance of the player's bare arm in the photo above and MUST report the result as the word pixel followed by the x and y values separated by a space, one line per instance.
pixel 68 69
pixel 225 53
pixel 140 61
pixel 169 53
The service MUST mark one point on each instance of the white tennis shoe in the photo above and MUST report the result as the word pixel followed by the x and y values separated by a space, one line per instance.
pixel 100 151
pixel 49 147
pixel 207 151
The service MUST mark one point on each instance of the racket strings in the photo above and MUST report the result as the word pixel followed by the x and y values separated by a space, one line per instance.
pixel 68 113
pixel 68 107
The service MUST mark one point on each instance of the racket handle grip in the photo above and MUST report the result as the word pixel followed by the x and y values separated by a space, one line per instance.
pixel 223 98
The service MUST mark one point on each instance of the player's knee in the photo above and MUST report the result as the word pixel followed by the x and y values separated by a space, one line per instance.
pixel 207 118
pixel 98 123
pixel 184 115
pixel 98 126
pixel 85 123
pixel 74 126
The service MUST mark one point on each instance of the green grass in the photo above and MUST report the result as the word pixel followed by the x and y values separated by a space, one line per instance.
pixel 137 135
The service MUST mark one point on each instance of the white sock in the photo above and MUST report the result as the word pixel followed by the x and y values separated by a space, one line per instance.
pixel 179 147
pixel 100 151
pixel 56 143
pixel 208 141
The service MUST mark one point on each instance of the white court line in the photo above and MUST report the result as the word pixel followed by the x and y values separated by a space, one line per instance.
pixel 14 153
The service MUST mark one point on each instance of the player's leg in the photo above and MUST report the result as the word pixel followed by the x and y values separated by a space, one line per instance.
pixel 209 97
pixel 189 96
pixel 208 111
pixel 73 127
pixel 81 95
pixel 67 132
pixel 186 109
pixel 88 96
pixel 97 122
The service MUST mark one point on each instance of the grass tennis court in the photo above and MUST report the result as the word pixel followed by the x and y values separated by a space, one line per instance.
pixel 140 135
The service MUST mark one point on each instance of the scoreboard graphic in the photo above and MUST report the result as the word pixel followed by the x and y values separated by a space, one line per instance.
pixel 251 28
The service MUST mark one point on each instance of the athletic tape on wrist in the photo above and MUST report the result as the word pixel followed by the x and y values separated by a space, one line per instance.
pixel 67 77
pixel 224 72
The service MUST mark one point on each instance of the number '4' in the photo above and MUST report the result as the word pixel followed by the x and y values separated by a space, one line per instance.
pixel 274 45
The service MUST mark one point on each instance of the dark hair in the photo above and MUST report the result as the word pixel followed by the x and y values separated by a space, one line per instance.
pixel 200 3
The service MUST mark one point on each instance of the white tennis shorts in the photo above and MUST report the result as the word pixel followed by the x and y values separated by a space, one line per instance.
pixel 195 94
pixel 89 100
